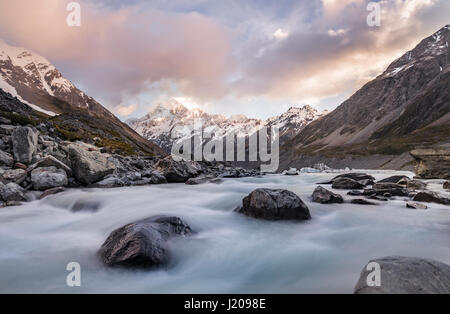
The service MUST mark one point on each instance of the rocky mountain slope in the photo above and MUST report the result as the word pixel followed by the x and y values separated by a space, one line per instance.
pixel 38 84
pixel 170 121
pixel 406 107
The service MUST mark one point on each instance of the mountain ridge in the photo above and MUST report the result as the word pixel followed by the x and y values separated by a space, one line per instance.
pixel 173 118
pixel 388 115
pixel 35 82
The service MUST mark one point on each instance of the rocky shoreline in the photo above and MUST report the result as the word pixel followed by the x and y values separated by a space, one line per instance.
pixel 36 159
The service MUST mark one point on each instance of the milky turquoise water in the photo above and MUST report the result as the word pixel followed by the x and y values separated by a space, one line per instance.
pixel 229 253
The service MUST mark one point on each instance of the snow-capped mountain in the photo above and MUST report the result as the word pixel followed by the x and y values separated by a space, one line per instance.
pixel 171 121
pixel 406 106
pixel 36 82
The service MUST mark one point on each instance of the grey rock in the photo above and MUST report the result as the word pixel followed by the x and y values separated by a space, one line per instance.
pixel 446 185
pixel 355 193
pixel 51 191
pixel 48 177
pixel 431 197
pixel 88 166
pixel 416 185
pixel 12 192
pixel 142 244
pixel 407 275
pixel 416 205
pixel 7 129
pixel 86 205
pixel 50 161
pixel 346 184
pixel 323 196
pixel 361 201
pixel 197 181
pixel 109 182
pixel 6 159
pixel 391 188
pixel 394 179
pixel 25 142
pixel 366 182
pixel 14 175
pixel 177 171
pixel 272 204
pixel 357 176
pixel 378 198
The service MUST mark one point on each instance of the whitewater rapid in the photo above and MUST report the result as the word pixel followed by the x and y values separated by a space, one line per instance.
pixel 229 253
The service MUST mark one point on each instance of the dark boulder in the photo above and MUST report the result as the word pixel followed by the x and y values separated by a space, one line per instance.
pixel 355 193
pixel 392 189
pixel 323 196
pixel 197 181
pixel 357 176
pixel 271 204
pixel 416 185
pixel 142 244
pixel 394 179
pixel 406 275
pixel 86 205
pixel 346 184
pixel 361 201
pixel 431 197
pixel 446 185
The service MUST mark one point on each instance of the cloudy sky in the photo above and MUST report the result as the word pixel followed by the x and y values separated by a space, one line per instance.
pixel 248 57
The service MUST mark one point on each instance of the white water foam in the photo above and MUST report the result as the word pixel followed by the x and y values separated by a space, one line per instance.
pixel 229 254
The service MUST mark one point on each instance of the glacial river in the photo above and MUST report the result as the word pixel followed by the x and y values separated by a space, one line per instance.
pixel 229 253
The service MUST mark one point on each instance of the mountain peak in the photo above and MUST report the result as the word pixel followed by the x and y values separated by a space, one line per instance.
pixel 433 46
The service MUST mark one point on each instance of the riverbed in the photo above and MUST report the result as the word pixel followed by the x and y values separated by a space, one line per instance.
pixel 229 253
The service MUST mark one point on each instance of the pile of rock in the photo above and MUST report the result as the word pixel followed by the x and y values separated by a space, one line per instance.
pixel 33 158
pixel 364 185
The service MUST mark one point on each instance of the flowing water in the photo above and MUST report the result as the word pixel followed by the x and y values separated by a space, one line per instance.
pixel 229 253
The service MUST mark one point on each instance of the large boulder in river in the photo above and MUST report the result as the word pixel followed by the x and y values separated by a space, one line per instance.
pixel 177 171
pixel 346 184
pixel 142 244
pixel 431 197
pixel 272 204
pixel 406 275
pixel 12 192
pixel 45 178
pixel 323 196
pixel 446 185
pixel 433 163
pixel 88 166
pixel 25 141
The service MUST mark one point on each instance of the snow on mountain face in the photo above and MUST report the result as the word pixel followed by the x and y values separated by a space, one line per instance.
pixel 171 121
pixel 30 77
pixel 433 46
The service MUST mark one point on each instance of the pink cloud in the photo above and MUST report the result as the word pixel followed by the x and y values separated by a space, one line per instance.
pixel 125 50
